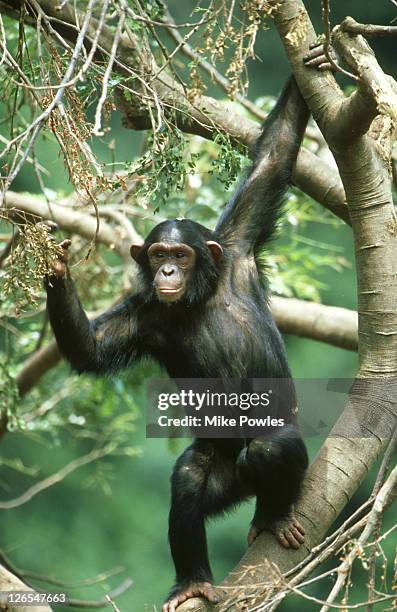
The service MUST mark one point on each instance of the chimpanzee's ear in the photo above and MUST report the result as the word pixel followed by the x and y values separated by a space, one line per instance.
pixel 135 250
pixel 216 249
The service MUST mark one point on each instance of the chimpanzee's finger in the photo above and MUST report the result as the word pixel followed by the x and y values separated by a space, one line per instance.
pixel 320 63
pixel 65 244
pixel 64 254
pixel 316 62
pixel 52 226
pixel 325 66
pixel 314 52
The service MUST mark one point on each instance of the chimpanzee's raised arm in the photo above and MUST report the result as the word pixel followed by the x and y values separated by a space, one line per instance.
pixel 101 346
pixel 251 216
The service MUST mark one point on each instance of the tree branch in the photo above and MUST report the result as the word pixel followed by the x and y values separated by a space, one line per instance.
pixel 374 95
pixel 329 324
pixel 43 360
pixel 205 117
pixel 9 582
pixel 23 206
pixel 368 29
pixel 385 497
pixel 50 481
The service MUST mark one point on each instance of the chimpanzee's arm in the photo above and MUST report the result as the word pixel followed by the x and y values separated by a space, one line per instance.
pixel 103 345
pixel 251 216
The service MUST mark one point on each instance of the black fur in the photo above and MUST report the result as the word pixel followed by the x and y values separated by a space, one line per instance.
pixel 222 328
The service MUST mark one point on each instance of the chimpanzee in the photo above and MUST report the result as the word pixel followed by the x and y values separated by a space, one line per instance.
pixel 202 312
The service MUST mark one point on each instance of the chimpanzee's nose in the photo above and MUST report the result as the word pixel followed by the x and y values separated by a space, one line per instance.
pixel 168 270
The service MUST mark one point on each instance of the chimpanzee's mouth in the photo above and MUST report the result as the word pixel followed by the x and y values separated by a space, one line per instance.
pixel 169 291
pixel 169 294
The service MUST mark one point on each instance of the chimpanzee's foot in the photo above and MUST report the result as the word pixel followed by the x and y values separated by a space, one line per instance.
pixel 288 531
pixel 181 593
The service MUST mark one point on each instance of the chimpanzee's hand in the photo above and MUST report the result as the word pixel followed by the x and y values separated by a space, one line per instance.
pixel 60 266
pixel 316 57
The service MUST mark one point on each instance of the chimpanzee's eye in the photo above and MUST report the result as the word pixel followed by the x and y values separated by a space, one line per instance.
pixel 180 254
pixel 159 254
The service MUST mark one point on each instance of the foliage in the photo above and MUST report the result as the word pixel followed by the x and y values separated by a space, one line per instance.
pixel 30 260
pixel 163 168
pixel 9 394
pixel 297 267
pixel 227 165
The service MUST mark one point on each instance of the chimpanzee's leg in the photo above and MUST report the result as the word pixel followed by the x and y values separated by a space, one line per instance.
pixel 274 468
pixel 204 483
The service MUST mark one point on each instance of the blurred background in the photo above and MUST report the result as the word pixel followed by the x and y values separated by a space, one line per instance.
pixel 114 512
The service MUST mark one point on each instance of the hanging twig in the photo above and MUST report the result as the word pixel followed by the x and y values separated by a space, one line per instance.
pixel 327 45
pixel 97 129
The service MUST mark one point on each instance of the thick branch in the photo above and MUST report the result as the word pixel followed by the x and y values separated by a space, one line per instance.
pixel 22 206
pixel 368 29
pixel 321 182
pixel 336 326
pixel 339 118
pixel 367 183
pixel 375 93
pixel 36 366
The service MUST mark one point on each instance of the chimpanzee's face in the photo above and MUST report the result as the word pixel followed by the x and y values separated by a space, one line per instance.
pixel 172 265
pixel 170 255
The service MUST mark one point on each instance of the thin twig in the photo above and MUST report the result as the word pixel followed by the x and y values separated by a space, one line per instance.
pixel 88 62
pixel 97 129
pixel 101 603
pixel 48 482
pixel 327 44
pixel 35 127
pixel 378 483
pixel 4 42
pixel 71 601
pixel 110 600
pixel 385 495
